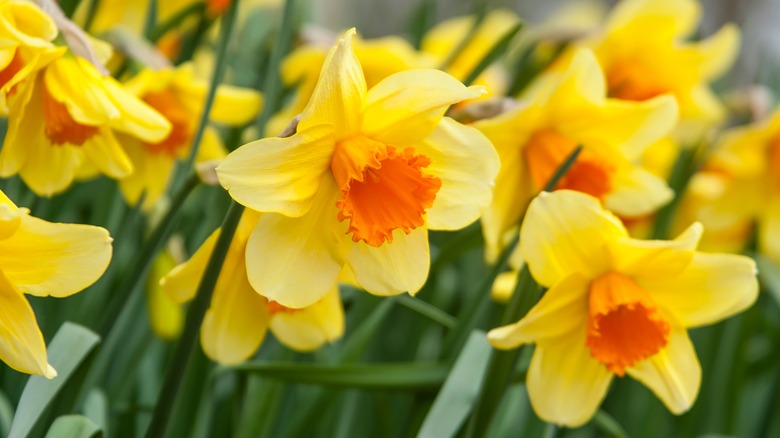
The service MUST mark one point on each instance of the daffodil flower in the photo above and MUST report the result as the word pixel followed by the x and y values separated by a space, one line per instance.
pixel 239 317
pixel 645 53
pixel 66 113
pixel 563 109
pixel 179 96
pixel 366 175
pixel 616 306
pixel 42 259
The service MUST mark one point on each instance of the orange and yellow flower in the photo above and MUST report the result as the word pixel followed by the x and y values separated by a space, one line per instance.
pixel 562 109
pixel 359 184
pixel 42 259
pixel 616 306
pixel 239 317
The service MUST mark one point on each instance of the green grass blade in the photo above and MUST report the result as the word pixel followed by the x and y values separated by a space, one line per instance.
pixel 73 426
pixel 67 351
pixel 428 310
pixel 495 52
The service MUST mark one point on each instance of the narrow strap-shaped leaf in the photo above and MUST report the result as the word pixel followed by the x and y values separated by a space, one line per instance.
pixel 67 351
pixel 73 426
pixel 495 52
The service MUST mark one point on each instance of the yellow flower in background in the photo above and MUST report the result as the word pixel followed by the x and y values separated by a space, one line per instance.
pixel 42 259
pixel 379 58
pixel 645 52
pixel 616 306
pixel 366 175
pixel 445 37
pixel 26 35
pixel 179 96
pixel 237 321
pixel 166 316
pixel 561 110
pixel 68 113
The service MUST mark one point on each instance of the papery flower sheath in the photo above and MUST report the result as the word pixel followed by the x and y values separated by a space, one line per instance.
pixel 359 184
pixel 239 317
pixel 562 109
pixel 616 306
pixel 43 259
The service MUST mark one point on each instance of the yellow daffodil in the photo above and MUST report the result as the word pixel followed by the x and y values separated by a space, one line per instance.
pixel 379 58
pixel 42 259
pixel 740 185
pixel 166 316
pixel 616 306
pixel 366 175
pixel 561 110
pixel 237 321
pixel 68 112
pixel 645 52
pixel 26 33
pixel 179 96
pixel 445 37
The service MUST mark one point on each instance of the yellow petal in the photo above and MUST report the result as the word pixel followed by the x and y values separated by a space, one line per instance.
pixel 165 316
pixel 10 217
pixel 338 97
pixel 309 328
pixel 655 18
pixel 562 311
pixel 566 232
pixel 27 24
pixel 655 258
pixel 104 151
pixel 279 175
pixel 673 374
pixel 711 288
pixel 295 261
pixel 768 226
pixel 236 322
pixel 395 267
pixel 717 53
pixel 565 384
pixel 637 192
pixel 45 258
pixel 137 118
pixel 406 107
pixel 565 93
pixel 21 341
pixel 77 84
pixel 504 286
pixel 150 176
pixel 235 105
pixel 182 282
pixel 25 119
pixel 467 165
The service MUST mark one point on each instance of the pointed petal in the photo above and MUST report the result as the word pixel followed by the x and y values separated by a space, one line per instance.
pixel 655 258
pixel 235 105
pixel 338 97
pixel 137 118
pixel 150 176
pixel 21 341
pixel 309 328
pixel 46 258
pixel 467 165
pixel 566 232
pixel 236 322
pixel 281 248
pixel 674 374
pixel 565 384
pixel 637 192
pixel 182 282
pixel 107 155
pixel 279 175
pixel 406 107
pixel 711 288
pixel 562 310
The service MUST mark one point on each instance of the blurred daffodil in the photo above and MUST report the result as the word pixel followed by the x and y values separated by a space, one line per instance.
pixel 239 317
pixel 165 315
pixel 42 259
pixel 179 96
pixel 616 306
pixel 66 113
pixel 366 175
pixel 645 53
pixel 563 109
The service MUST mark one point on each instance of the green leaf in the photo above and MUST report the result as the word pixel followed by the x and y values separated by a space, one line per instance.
pixel 96 407
pixel 73 426
pixel 608 425
pixel 428 310
pixel 405 376
pixel 769 274
pixel 460 390
pixel 6 414
pixel 495 52
pixel 67 351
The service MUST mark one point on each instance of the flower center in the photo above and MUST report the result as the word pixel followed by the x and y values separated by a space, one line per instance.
pixel 548 149
pixel 59 126
pixel 168 105
pixel 624 324
pixel 10 70
pixel 631 81
pixel 382 188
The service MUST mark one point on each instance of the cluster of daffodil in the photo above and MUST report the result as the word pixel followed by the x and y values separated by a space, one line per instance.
pixel 566 164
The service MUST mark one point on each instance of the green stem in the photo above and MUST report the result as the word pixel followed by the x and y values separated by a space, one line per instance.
pixel 175 21
pixel 220 64
pixel 428 310
pixel 150 22
pixel 189 337
pixel 495 52
pixel 272 87
pixel 91 13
